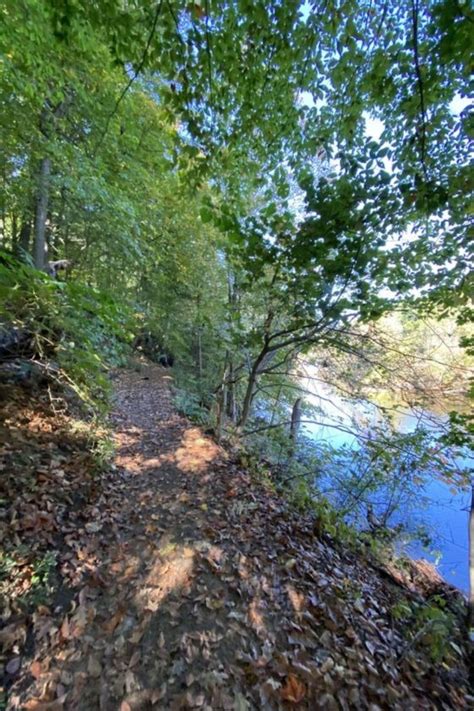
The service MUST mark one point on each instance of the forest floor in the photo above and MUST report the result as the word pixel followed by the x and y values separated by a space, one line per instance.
pixel 180 582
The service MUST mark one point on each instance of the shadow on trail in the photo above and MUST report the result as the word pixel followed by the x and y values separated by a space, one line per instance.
pixel 165 620
pixel 207 591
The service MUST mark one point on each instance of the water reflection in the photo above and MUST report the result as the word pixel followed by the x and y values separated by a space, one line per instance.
pixel 441 508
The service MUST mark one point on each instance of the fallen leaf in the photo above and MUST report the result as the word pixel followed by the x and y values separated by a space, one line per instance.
pixel 359 606
pixel 36 669
pixel 135 658
pixel 39 705
pixel 93 527
pixel 115 620
pixel 131 682
pixel 240 702
pixel 11 634
pixel 65 631
pixel 13 665
pixel 294 690
pixel 94 666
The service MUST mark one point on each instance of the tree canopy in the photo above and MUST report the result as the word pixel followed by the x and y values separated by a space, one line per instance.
pixel 247 178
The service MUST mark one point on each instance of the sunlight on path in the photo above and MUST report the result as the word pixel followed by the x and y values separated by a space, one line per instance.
pixel 206 591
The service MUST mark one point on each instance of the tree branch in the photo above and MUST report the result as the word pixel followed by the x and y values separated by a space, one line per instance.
pixel 415 12
pixel 132 78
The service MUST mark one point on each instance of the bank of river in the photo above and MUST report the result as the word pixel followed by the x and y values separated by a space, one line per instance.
pixel 436 505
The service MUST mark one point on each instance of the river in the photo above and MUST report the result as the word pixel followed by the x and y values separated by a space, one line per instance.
pixel 442 508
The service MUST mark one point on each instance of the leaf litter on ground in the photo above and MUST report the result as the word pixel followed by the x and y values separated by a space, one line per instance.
pixel 165 594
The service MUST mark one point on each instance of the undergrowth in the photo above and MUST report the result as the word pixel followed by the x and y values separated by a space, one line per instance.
pixel 80 329
pixel 190 405
pixel 428 624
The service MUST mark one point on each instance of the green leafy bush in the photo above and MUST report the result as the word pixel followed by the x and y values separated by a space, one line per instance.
pixel 79 328
pixel 190 405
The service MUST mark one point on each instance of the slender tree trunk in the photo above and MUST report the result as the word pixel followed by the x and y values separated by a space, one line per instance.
pixel 199 348
pixel 295 420
pixel 275 405
pixel 47 124
pixel 250 392
pixel 4 209
pixel 221 405
pixel 295 425
pixel 14 219
pixel 41 213
pixel 23 246
pixel 231 406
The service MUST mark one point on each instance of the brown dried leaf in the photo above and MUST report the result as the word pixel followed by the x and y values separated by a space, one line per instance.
pixel 36 669
pixel 65 630
pixel 39 705
pixel 294 690
pixel 113 622
pixel 12 634
pixel 135 658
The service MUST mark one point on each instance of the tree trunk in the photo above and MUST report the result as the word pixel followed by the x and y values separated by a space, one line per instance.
pixel 221 405
pixel 250 392
pixel 295 420
pixel 199 353
pixel 295 425
pixel 41 213
pixel 48 117
pixel 23 245
pixel 14 233
pixel 231 405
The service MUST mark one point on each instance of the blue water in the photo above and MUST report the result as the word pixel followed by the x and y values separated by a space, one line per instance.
pixel 442 509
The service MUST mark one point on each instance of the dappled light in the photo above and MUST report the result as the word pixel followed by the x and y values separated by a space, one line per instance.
pixel 195 452
pixel 166 575
pixel 188 583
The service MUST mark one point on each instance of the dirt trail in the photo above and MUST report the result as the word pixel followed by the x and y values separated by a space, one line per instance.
pixel 204 590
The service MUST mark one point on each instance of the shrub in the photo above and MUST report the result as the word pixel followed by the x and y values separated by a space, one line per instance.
pixel 79 328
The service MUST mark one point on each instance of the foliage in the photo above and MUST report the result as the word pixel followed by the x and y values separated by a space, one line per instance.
pixel 429 625
pixel 74 325
pixel 35 576
pixel 190 405
pixel 213 147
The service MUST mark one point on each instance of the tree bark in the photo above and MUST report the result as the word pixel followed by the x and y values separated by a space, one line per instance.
pixel 231 405
pixel 199 350
pixel 24 238
pixel 295 420
pixel 221 405
pixel 250 392
pixel 14 233
pixel 295 425
pixel 48 117
pixel 41 213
